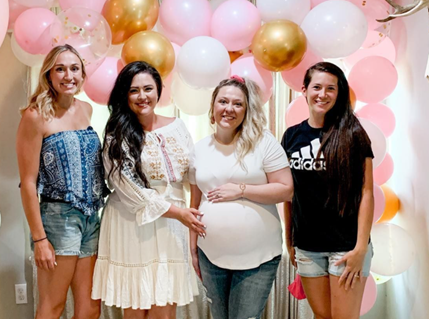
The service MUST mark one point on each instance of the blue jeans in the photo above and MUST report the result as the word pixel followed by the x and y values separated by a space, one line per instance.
pixel 237 294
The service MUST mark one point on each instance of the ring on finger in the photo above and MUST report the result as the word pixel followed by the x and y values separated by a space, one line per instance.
pixel 357 276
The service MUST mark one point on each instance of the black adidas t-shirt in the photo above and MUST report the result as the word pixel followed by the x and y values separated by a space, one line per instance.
pixel 315 227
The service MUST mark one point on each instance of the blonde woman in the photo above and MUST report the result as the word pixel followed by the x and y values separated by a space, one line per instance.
pixel 59 159
pixel 238 174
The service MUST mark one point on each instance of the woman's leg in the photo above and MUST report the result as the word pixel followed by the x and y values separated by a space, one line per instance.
pixel 250 290
pixel 317 290
pixel 313 269
pixel 346 303
pixel 135 314
pixel 217 282
pixel 165 312
pixel 84 306
pixel 53 286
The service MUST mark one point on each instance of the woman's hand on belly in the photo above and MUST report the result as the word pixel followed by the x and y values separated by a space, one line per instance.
pixel 189 218
pixel 224 193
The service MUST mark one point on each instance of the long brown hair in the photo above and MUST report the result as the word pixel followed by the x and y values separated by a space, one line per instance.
pixel 342 143
pixel 124 133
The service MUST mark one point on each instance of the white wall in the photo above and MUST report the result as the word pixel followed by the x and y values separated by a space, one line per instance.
pixel 407 294
pixel 15 267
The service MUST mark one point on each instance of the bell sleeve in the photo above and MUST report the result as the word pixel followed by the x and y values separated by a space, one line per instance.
pixel 144 202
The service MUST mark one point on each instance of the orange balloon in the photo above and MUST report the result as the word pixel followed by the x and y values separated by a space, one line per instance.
pixel 127 17
pixel 279 45
pixel 392 205
pixel 352 98
pixel 234 55
pixel 151 47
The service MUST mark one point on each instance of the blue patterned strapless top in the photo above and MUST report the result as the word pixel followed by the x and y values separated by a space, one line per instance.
pixel 71 170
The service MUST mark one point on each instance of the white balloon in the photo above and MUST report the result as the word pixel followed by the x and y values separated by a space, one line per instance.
pixel 203 62
pixel 378 141
pixel 394 250
pixel 190 100
pixel 293 10
pixel 24 57
pixel 335 28
pixel 379 279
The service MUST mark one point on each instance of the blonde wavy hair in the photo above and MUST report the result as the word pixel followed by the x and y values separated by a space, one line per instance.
pixel 251 130
pixel 43 98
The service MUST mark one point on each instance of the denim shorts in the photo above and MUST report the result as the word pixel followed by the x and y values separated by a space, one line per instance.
pixel 70 232
pixel 318 264
pixel 237 294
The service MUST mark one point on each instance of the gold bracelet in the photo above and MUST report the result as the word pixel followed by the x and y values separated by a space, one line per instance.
pixel 243 188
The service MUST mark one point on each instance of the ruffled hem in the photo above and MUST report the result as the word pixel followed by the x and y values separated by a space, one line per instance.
pixel 140 286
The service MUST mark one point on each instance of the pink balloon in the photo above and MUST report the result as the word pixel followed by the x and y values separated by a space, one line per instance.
pixel 36 3
pixel 378 141
pixel 384 49
pixel 32 30
pixel 294 78
pixel 15 9
pixel 234 23
pixel 381 115
pixel 99 85
pixel 316 3
pixel 182 20
pixel 369 295
pixel 379 203
pixel 372 9
pixel 248 67
pixel 383 172
pixel 165 98
pixel 4 19
pixel 297 111
pixel 96 5
pixel 373 79
pixel 373 38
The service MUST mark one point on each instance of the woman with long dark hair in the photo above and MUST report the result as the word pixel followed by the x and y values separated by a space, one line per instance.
pixel 329 220
pixel 144 263
pixel 59 158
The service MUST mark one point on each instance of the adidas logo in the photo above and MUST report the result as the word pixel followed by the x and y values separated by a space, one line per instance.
pixel 305 158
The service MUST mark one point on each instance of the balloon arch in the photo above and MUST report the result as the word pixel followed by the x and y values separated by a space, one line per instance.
pixel 196 43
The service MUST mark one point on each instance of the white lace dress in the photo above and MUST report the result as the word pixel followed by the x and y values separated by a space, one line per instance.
pixel 144 258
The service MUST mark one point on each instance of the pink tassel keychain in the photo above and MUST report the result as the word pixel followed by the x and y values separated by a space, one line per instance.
pixel 296 288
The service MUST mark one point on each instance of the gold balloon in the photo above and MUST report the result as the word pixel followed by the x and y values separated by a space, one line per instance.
pixel 279 45
pixel 127 17
pixel 151 47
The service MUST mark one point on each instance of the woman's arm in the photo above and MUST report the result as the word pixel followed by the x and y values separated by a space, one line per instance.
pixel 279 188
pixel 287 210
pixel 193 236
pixel 28 147
pixel 146 203
pixel 355 258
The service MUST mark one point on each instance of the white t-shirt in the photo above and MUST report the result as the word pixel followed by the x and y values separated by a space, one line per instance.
pixel 241 234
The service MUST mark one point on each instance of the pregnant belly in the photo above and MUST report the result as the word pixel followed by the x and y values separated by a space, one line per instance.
pixel 239 227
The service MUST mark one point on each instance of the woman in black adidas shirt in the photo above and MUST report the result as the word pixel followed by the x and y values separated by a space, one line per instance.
pixel 329 220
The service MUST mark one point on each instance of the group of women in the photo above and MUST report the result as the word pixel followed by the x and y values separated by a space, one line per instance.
pixel 145 254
